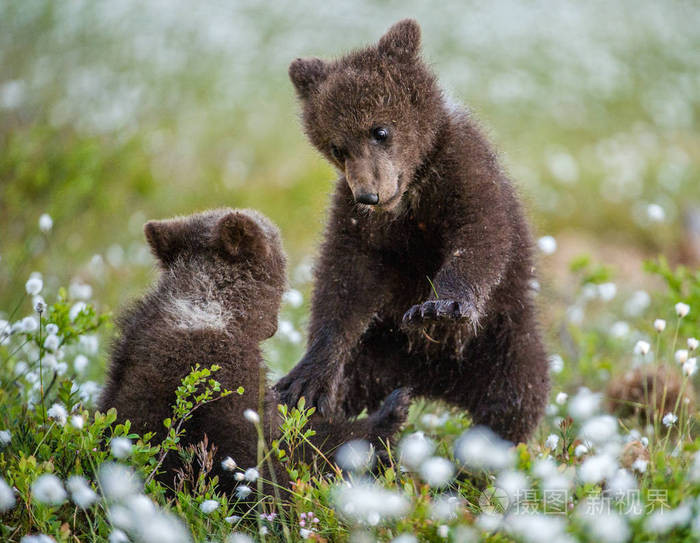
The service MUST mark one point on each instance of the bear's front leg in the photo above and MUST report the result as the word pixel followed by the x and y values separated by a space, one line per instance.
pixel 317 375
pixel 474 264
pixel 349 291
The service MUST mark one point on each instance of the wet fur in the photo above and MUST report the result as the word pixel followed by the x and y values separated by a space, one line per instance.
pixel 217 298
pixel 432 292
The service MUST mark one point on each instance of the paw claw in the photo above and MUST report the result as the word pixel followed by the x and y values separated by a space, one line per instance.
pixel 437 310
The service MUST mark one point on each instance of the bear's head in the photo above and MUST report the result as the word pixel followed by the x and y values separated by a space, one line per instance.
pixel 373 113
pixel 224 261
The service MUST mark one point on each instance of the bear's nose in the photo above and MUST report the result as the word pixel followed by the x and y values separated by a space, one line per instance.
pixel 368 198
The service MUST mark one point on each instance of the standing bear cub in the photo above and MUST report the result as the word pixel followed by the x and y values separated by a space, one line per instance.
pixel 424 277
pixel 223 275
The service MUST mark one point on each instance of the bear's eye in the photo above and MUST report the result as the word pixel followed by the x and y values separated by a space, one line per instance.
pixel 380 133
pixel 336 153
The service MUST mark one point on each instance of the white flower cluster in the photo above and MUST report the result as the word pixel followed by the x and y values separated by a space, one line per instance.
pixel 133 514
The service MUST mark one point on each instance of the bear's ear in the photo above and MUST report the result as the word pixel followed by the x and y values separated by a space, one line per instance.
pixel 164 239
pixel 402 41
pixel 307 74
pixel 237 233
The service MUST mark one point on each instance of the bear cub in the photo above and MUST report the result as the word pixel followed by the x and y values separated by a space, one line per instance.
pixel 425 272
pixel 218 296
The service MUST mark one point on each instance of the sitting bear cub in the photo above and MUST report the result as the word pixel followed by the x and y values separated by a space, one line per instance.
pixel 223 275
pixel 425 273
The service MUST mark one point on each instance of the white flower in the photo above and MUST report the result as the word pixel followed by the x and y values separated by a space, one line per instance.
pixel 251 474
pixel 622 483
pixel 480 448
pixel 228 464
pixel 29 324
pixel 512 482
pixel 52 328
pixel 89 343
pixel 690 367
pixel 77 421
pixel 77 308
pixel 669 419
pixel 547 244
pixel 437 471
pixel 7 496
pixel 161 527
pixel 52 342
pixel 49 489
pixel 682 309
pixel 208 506
pixel 287 330
pixel 656 213
pixel 693 343
pixel 58 413
pixel 640 465
pixel 232 519
pixel 38 538
pixel 431 420
pixel 609 527
pixel 599 430
pixel 414 448
pixel 117 536
pixel 80 363
pixel 596 468
pixel 117 482
pixel 45 222
pixel 443 531
pixel 642 347
pixel 665 520
pixel 5 437
pixel 293 297
pixel 536 527
pixel 34 286
pixel 121 447
pixel 80 291
pixel 681 356
pixel 83 496
pixel 552 441
pixel 556 363
pixel 489 522
pixel 369 503
pixel 39 304
pixel 607 291
pixel 251 416
pixel 239 538
pixel 561 398
pixel 620 329
pixel 355 455
pixel 239 476
pixel 446 507
pixel 659 325
pixel 305 533
pixel 584 404
pixel 242 491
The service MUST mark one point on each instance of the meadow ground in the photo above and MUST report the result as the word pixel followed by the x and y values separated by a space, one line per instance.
pixel 115 113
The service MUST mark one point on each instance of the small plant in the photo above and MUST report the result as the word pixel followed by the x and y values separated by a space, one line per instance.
pixel 197 389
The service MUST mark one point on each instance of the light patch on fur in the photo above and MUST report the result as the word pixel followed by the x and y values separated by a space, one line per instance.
pixel 193 315
pixel 195 307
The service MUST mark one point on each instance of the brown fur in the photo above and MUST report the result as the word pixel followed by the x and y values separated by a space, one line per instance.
pixel 447 217
pixel 649 391
pixel 223 275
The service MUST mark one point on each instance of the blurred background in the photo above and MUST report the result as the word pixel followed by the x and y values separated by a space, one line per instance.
pixel 112 113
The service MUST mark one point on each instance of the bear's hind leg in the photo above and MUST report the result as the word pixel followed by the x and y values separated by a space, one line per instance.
pixel 512 385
